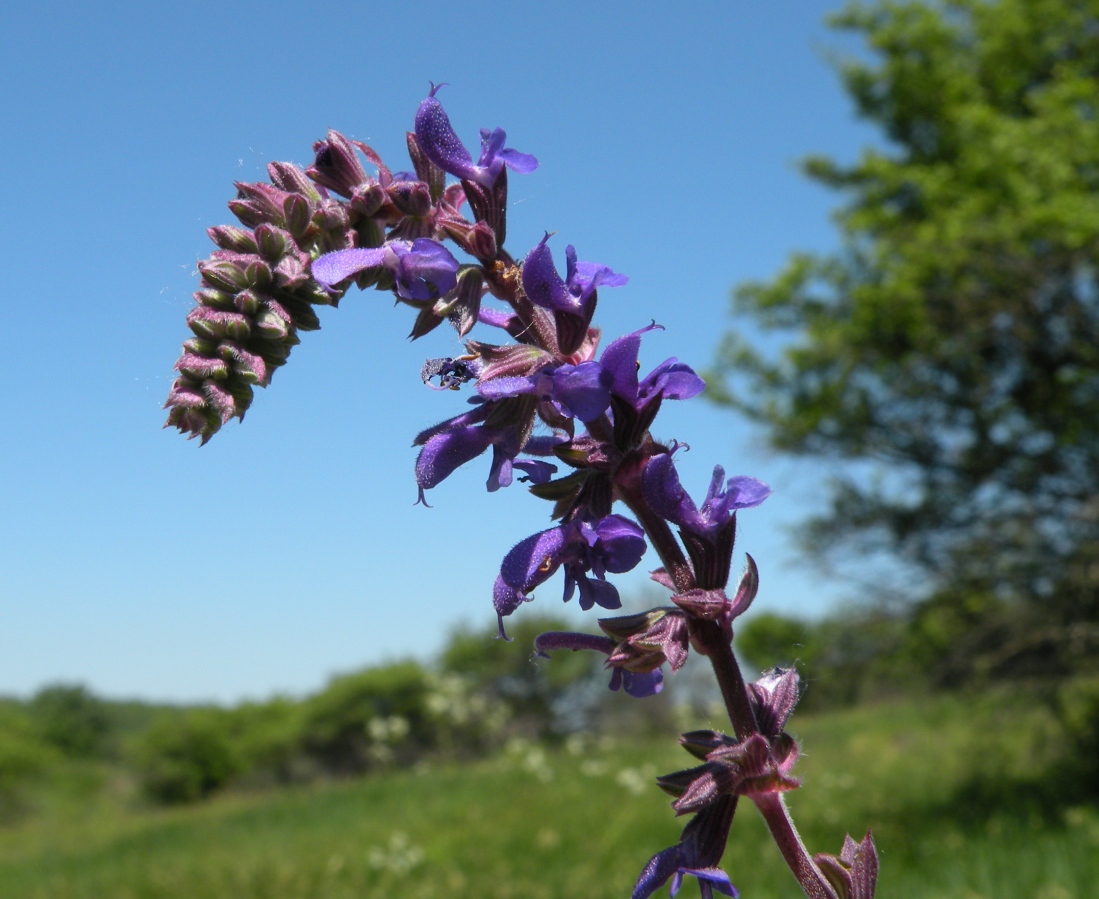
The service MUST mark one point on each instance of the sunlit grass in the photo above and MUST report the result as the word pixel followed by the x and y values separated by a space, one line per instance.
pixel 581 823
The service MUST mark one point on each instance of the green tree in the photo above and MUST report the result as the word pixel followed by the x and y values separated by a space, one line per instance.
pixel 950 349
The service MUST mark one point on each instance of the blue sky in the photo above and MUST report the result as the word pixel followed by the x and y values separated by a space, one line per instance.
pixel 289 547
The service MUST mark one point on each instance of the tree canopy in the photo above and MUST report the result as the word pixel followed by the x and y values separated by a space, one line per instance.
pixel 953 341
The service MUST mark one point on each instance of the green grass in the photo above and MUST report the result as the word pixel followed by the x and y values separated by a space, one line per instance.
pixel 954 813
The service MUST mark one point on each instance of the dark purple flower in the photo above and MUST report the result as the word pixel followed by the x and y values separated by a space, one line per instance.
pixel 581 390
pixel 441 145
pixel 668 499
pixel 545 288
pixel 649 639
pixel 423 268
pixel 584 390
pixel 638 684
pixel 674 863
pixel 672 379
pixel 613 544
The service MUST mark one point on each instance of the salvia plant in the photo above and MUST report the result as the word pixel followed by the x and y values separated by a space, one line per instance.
pixel 550 399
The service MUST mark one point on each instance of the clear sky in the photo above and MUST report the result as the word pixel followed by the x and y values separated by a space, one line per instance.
pixel 289 547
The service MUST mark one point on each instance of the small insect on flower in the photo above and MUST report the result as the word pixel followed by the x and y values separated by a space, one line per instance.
pixel 452 373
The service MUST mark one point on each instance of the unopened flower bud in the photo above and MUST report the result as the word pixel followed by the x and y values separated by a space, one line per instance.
pixel 297 213
pixel 259 202
pixel 214 324
pixel 411 197
pixel 336 165
pixel 466 304
pixel 218 299
pixel 368 198
pixel 290 273
pixel 201 367
pixel 426 170
pixel 220 399
pixel 223 275
pixel 272 242
pixel 291 178
pixel 229 237
pixel 854 873
pixel 247 302
pixel 201 346
pixel 271 325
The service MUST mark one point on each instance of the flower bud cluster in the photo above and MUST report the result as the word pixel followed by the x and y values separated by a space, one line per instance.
pixel 256 295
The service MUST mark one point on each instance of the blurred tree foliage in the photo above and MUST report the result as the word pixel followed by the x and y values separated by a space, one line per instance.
pixel 951 347
pixel 544 698
pixel 852 656
pixel 70 718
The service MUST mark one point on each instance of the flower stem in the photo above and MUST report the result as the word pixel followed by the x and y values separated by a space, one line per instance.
pixel 734 691
pixel 773 808
pixel 664 542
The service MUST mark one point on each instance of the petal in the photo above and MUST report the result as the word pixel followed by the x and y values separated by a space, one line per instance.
pixel 664 492
pixel 542 284
pixel 621 543
pixel 596 592
pixel 583 388
pixel 437 139
pixel 673 379
pixel 445 452
pixel 620 358
pixel 505 598
pixel 426 271
pixel 602 275
pixel 534 560
pixel 499 475
pixel 537 472
pixel 717 878
pixel 746 492
pixel 523 163
pixel 492 142
pixel 501 388
pixel 656 873
pixel 331 268
pixel 640 685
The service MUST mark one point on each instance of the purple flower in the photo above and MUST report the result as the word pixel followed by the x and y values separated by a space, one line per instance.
pixel 613 544
pixel 441 145
pixel 697 853
pixel 584 390
pixel 668 499
pixel 671 379
pixel 674 863
pixel 423 268
pixel 638 684
pixel 545 288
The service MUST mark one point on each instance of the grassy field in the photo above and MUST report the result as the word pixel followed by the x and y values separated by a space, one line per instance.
pixel 950 788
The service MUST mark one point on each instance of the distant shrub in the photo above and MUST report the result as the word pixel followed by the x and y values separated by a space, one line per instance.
pixel 187 755
pixel 541 700
pixel 268 738
pixel 376 716
pixel 70 718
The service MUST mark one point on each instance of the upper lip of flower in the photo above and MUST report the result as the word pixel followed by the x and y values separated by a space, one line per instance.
pixel 667 497
pixel 442 146
pixel 545 287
